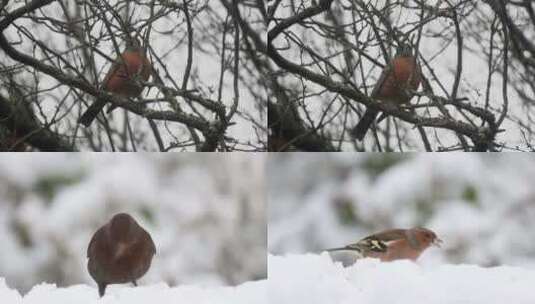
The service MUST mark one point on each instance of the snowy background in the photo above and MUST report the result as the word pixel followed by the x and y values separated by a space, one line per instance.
pixel 482 206
pixel 206 214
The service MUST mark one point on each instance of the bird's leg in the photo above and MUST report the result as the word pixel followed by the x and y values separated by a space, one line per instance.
pixel 134 282
pixel 101 289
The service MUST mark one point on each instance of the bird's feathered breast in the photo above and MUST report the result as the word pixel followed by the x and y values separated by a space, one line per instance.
pixel 131 64
pixel 400 74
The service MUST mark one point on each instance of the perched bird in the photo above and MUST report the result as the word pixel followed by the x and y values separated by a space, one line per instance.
pixel 123 78
pixel 119 252
pixel 401 76
pixel 394 244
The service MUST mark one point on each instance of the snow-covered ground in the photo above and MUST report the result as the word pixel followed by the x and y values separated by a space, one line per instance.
pixel 316 279
pixel 206 215
pixel 482 206
pixel 247 293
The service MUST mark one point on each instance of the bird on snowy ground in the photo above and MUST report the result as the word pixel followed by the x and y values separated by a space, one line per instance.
pixel 120 252
pixel 394 244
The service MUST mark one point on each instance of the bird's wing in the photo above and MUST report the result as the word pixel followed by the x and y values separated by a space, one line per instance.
pixel 416 77
pixel 148 237
pixel 92 242
pixel 389 235
pixel 153 247
pixel 379 84
pixel 111 71
pixel 370 244
pixel 377 242
pixel 117 69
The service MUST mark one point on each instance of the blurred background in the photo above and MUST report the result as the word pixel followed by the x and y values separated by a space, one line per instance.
pixel 481 205
pixel 206 214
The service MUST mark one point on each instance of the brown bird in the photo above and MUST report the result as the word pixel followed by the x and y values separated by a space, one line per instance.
pixel 123 78
pixel 401 76
pixel 119 252
pixel 394 244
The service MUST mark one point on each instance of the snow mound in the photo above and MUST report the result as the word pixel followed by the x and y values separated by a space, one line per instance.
pixel 247 293
pixel 316 279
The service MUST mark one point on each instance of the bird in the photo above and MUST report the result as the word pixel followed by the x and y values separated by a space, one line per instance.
pixel 394 244
pixel 119 252
pixel 401 76
pixel 122 78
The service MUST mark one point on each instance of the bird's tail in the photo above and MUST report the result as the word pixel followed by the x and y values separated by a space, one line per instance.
pixel 101 289
pixel 342 249
pixel 353 249
pixel 359 131
pixel 91 113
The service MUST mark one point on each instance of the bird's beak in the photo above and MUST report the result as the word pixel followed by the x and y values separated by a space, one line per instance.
pixel 437 242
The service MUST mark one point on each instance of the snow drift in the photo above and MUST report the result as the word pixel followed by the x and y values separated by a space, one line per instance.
pixel 247 293
pixel 316 279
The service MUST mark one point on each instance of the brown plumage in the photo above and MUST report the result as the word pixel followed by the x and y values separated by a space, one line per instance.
pixel 394 244
pixel 122 78
pixel 119 252
pixel 402 75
